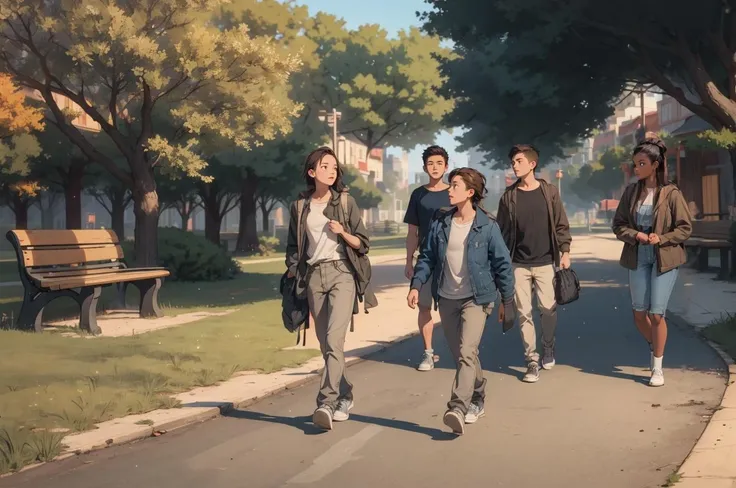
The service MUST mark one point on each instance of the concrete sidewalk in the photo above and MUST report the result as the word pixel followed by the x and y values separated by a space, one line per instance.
pixel 698 299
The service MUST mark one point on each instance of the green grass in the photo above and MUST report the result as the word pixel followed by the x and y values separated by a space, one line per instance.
pixel 9 270
pixel 722 331
pixel 49 381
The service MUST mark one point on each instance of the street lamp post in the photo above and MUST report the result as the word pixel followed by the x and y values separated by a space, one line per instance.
pixel 331 119
pixel 558 175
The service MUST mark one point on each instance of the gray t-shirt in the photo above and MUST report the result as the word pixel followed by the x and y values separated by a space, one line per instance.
pixel 456 282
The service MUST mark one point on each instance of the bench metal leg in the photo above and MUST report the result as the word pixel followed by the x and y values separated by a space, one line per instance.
pixel 149 297
pixel 88 297
pixel 31 313
pixel 703 259
pixel 723 271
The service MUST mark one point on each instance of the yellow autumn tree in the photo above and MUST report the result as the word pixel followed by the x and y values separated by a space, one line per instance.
pixel 161 80
pixel 17 122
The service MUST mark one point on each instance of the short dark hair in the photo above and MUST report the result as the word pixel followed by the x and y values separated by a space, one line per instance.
pixel 311 162
pixel 531 152
pixel 435 151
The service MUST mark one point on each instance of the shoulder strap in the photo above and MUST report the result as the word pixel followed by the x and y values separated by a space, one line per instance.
pixel 299 210
pixel 344 205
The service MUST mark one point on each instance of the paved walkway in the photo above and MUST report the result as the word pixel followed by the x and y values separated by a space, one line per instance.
pixel 592 421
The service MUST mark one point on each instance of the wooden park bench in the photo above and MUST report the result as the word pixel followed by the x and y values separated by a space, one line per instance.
pixel 77 264
pixel 713 234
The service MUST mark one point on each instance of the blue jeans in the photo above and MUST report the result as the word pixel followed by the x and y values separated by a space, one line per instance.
pixel 650 291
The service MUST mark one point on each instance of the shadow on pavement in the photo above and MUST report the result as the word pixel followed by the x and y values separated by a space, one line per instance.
pixel 304 423
pixel 595 334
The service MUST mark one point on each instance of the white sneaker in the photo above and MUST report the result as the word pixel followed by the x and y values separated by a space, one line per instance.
pixel 475 412
pixel 427 363
pixel 342 412
pixel 455 420
pixel 323 418
pixel 548 360
pixel 657 378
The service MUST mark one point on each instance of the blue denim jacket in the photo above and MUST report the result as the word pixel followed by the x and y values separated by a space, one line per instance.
pixel 489 261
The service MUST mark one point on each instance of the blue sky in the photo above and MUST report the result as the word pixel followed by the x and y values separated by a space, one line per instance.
pixel 392 15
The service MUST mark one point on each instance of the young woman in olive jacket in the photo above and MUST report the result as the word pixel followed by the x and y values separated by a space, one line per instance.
pixel 653 221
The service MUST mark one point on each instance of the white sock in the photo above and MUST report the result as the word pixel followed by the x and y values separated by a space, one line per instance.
pixel 429 351
pixel 658 362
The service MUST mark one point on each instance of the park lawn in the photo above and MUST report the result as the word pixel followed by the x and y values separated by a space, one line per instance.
pixel 722 331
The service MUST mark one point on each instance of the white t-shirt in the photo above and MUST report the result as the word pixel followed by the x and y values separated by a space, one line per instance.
pixel 456 280
pixel 323 244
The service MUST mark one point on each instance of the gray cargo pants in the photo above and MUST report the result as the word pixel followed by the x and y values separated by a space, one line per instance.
pixel 331 296
pixel 463 322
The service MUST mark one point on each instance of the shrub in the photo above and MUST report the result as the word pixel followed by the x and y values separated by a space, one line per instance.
pixel 190 257
pixel 267 245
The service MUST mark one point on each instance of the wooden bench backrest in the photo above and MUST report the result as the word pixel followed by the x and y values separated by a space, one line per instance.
pixel 713 229
pixel 42 248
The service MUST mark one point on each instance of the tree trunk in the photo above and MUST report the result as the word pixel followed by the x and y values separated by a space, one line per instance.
pixel 211 207
pixel 212 224
pixel 145 208
pixel 265 215
pixel 248 230
pixel 184 220
pixel 73 196
pixel 732 152
pixel 117 216
pixel 20 208
pixel 46 204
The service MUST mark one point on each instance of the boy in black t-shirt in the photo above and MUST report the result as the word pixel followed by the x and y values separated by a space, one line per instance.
pixel 537 233
pixel 423 204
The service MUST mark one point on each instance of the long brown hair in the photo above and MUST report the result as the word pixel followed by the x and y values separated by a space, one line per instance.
pixel 311 162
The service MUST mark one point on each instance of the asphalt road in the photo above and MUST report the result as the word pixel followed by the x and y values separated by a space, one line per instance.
pixel 590 422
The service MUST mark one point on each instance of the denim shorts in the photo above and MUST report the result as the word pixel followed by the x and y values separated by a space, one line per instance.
pixel 650 291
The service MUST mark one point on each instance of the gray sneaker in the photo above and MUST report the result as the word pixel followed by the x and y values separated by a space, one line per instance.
pixel 548 360
pixel 322 417
pixel 455 420
pixel 532 373
pixel 342 412
pixel 475 411
pixel 427 363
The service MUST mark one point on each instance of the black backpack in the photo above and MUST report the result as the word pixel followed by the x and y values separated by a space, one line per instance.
pixel 567 286
pixel 294 308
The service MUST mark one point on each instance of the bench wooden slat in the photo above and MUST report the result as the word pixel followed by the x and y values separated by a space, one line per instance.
pixel 74 272
pixel 120 276
pixel 65 237
pixel 52 257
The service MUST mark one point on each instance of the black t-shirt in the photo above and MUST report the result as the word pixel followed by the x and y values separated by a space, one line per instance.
pixel 422 206
pixel 533 236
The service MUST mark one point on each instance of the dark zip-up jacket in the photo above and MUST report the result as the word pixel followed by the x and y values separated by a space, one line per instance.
pixel 489 262
pixel 296 258
pixel 558 223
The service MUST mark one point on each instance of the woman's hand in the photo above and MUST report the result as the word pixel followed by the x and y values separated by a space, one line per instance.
pixel 642 238
pixel 654 239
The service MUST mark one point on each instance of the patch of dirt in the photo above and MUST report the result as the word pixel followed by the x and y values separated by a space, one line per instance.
pixel 128 323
